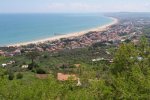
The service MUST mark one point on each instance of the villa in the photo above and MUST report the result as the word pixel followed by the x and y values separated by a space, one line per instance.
pixel 77 65
pixel 4 65
pixel 24 66
pixel 65 77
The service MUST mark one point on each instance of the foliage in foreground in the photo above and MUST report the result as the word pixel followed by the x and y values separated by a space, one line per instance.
pixel 127 78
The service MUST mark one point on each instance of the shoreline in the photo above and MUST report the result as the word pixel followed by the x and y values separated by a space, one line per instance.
pixel 68 35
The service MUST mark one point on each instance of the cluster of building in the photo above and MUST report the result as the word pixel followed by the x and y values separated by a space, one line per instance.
pixel 129 29
pixel 6 53
pixel 115 34
pixel 8 63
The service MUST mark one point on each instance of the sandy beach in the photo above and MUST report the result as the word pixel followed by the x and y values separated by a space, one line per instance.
pixel 69 35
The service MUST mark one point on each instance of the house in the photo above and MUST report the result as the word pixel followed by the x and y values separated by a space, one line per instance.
pixel 24 66
pixel 111 60
pixel 4 65
pixel 2 53
pixel 140 58
pixel 79 83
pixel 77 65
pixel 65 77
pixel 39 49
pixel 9 54
pixel 17 52
pixel 136 42
pixel 98 59
pixel 11 62
pixel 108 52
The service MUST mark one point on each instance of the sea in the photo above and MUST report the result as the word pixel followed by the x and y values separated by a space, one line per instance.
pixel 19 28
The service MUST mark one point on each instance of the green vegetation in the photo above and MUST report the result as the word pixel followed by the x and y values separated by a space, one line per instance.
pixel 127 78
pixel 10 75
pixel 40 71
pixel 19 76
pixel 146 30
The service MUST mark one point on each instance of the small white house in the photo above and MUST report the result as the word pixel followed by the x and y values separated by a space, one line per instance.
pixel 140 58
pixel 11 62
pixel 108 52
pixel 24 66
pixel 79 83
pixel 4 65
pixel 98 59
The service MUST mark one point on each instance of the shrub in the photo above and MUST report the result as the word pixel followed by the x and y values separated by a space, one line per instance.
pixel 11 76
pixel 19 76
pixel 33 70
pixel 45 56
pixel 40 71
pixel 33 65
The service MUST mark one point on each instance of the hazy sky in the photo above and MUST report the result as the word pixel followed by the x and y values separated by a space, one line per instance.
pixel 77 6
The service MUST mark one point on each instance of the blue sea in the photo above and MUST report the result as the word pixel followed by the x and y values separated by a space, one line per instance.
pixel 18 28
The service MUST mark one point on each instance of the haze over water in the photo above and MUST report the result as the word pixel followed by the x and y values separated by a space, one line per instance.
pixel 16 28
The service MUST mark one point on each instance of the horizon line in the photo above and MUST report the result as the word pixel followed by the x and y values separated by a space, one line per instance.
pixel 72 12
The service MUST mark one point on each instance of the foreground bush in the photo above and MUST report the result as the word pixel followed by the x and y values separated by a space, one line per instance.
pixel 19 76
pixel 40 71
pixel 11 76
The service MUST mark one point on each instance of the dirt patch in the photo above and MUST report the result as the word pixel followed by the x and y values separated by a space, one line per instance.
pixel 41 76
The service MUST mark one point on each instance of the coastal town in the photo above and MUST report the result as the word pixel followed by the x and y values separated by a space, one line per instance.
pixel 74 50
pixel 123 31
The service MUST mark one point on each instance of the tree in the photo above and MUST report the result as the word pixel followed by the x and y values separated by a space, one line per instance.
pixel 2 72
pixel 124 58
pixel 32 55
pixel 11 76
pixel 131 71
